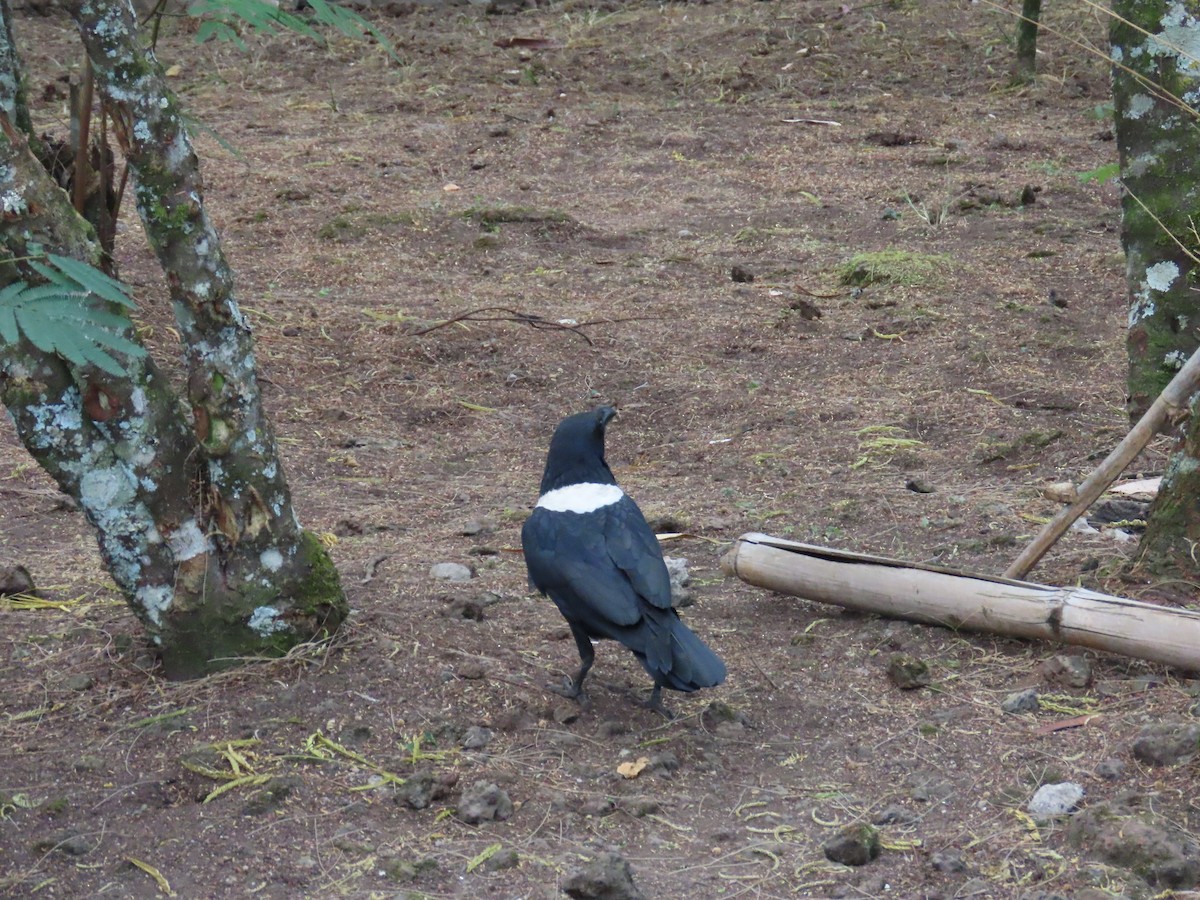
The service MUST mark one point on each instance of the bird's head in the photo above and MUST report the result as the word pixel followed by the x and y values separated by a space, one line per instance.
pixel 577 451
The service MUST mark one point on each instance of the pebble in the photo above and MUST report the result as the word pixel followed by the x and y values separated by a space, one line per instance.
pixel 1167 743
pixel 855 846
pixel 1025 701
pixel 1072 671
pixel 450 571
pixel 607 877
pixel 1051 800
pixel 484 801
pixel 476 737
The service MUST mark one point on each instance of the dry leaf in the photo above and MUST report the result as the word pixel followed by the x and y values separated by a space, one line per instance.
pixel 451 187
pixel 633 769
pixel 1064 724
pixel 174 71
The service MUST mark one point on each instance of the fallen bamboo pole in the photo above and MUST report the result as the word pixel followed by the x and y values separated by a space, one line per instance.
pixel 1172 401
pixel 939 596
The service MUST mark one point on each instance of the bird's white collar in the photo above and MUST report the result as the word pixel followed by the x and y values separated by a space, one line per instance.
pixel 580 498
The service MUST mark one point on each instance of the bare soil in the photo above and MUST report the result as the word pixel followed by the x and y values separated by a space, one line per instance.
pixel 442 259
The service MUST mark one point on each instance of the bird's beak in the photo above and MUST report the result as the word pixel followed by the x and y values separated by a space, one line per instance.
pixel 605 414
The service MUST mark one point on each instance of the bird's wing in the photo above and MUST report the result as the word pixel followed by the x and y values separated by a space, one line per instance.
pixel 569 561
pixel 634 550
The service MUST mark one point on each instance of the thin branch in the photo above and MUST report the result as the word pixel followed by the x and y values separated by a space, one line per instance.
pixel 533 321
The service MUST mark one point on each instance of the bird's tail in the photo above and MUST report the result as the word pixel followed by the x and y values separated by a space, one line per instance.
pixel 693 664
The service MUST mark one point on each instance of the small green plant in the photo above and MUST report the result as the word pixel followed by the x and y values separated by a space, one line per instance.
pixel 64 317
pixel 222 20
pixel 879 443
pixel 892 267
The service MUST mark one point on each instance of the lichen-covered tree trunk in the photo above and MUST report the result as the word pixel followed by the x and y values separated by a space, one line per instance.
pixel 1156 92
pixel 1155 47
pixel 1027 35
pixel 192 513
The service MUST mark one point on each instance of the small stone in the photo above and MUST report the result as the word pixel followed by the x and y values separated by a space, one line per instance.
pixel 855 846
pixel 948 862
pixel 508 858
pixel 1060 492
pixel 15 580
pixel 1167 744
pixel 1029 195
pixel 741 275
pixel 920 486
pixel 476 738
pixel 565 713
pixel 450 571
pixel 471 670
pixel 896 815
pixel 1025 701
pixel 421 789
pixel 484 801
pixel 271 796
pixel 1052 800
pixel 665 762
pixel 1110 769
pixel 907 673
pixel 473 527
pixel 67 842
pixel 80 682
pixel 639 807
pixel 1155 849
pixel 677 570
pixel 1072 671
pixel 607 877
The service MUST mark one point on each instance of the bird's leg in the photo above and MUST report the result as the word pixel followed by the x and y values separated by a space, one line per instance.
pixel 587 655
pixel 655 702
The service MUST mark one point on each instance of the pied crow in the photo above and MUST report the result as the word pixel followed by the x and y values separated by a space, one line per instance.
pixel 589 549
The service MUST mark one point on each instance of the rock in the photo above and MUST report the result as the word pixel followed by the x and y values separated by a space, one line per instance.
pixel 1110 769
pixel 462 608
pixel 948 862
pixel 16 580
pixel 69 842
pixel 677 569
pixel 665 762
pixel 719 713
pixel 607 877
pixel 1072 671
pixel 907 673
pixel 1060 492
pixel 450 571
pixel 473 527
pixel 1052 800
pixel 508 858
pixel 930 787
pixel 407 870
pixel 1025 701
pixel 271 797
pixel 896 815
pixel 920 486
pixel 1140 842
pixel 80 682
pixel 421 789
pixel 1167 743
pixel 639 807
pixel 741 275
pixel 484 802
pixel 565 713
pixel 476 737
pixel 855 846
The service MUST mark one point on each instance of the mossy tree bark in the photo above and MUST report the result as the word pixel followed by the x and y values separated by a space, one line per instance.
pixel 1027 35
pixel 1156 94
pixel 192 513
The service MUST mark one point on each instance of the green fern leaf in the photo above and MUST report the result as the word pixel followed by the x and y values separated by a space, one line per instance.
pixel 54 276
pixel 349 23
pixel 37 328
pixel 8 325
pixel 102 360
pixel 93 280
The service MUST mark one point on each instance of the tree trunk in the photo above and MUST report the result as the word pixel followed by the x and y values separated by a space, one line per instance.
pixel 1156 95
pixel 1027 35
pixel 192 513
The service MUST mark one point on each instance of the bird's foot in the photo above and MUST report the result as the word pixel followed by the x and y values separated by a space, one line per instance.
pixel 570 689
pixel 655 703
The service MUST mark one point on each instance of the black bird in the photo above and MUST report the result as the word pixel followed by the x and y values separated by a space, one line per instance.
pixel 589 549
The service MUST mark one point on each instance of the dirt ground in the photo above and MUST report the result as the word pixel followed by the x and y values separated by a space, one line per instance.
pixel 586 213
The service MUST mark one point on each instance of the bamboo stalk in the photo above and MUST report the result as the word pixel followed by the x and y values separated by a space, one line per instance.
pixel 1172 401
pixel 939 596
